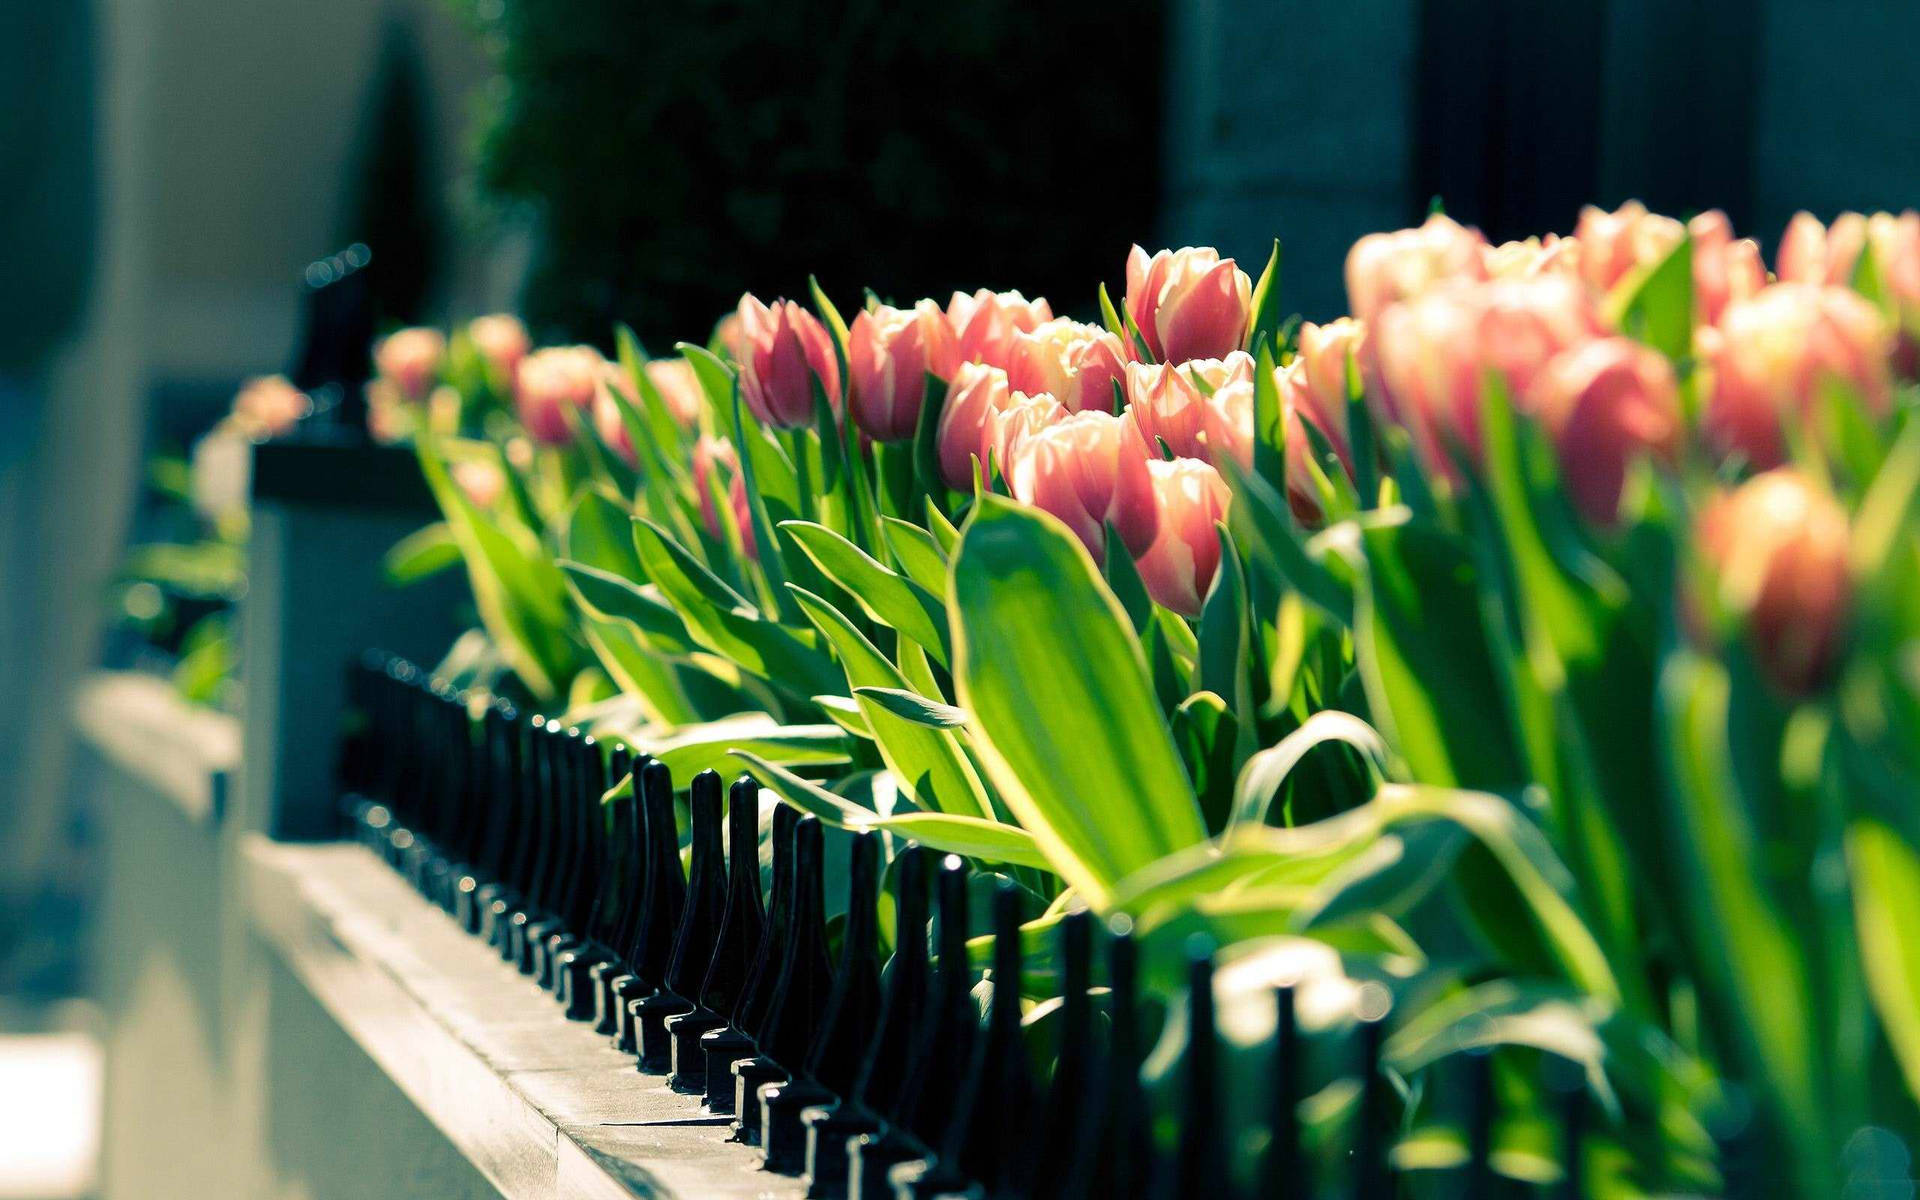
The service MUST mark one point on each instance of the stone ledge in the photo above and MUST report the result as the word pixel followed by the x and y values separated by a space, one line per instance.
pixel 542 1106
pixel 139 723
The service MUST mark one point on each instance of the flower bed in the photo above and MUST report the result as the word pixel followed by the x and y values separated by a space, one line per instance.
pixel 1526 652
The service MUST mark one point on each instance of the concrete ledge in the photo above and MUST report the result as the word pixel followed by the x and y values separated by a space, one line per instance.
pixel 141 725
pixel 542 1107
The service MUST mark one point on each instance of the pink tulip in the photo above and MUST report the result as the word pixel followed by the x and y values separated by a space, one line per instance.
pixel 1776 550
pixel 1313 392
pixel 679 389
pixel 1182 403
pixel 481 481
pixel 1814 253
pixel 1090 470
pixel 501 341
pixel 550 382
pixel 1534 256
pixel 727 333
pixel 985 322
pixel 1725 268
pixel 1075 363
pixel 410 360
pixel 1773 354
pixel 1188 303
pixel 711 454
pixel 268 406
pixel 1434 353
pixel 890 353
pixel 1385 268
pixel 1614 244
pixel 1178 568
pixel 1604 404
pixel 783 349
pixel 969 420
pixel 1017 422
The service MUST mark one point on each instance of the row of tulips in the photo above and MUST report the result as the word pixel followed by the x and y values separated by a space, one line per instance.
pixel 1532 645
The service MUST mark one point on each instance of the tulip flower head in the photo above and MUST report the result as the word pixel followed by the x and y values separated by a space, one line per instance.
pixel 483 482
pixel 410 360
pixel 268 406
pixel 1386 268
pixel 1188 303
pixel 1725 268
pixel 501 341
pixel 716 465
pixel 1615 244
pixel 1773 356
pixel 1775 550
pixel 1075 363
pixel 984 323
pixel 1189 499
pixel 550 382
pixel 1435 352
pixel 1605 403
pixel 1814 253
pixel 783 350
pixel 969 421
pixel 1534 256
pixel 1196 407
pixel 1090 470
pixel 890 353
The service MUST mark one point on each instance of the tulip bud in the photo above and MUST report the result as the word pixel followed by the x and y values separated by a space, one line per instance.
pixel 1075 363
pixel 410 359
pixel 1725 268
pixel 1434 354
pixel 1535 256
pixel 607 421
pixel 1772 355
pixel 726 332
pixel 268 406
pixel 501 341
pixel 1614 244
pixel 1192 406
pixel 984 323
pixel 550 382
pixel 1813 253
pixel 1604 404
pixel 481 481
pixel 969 421
pixel 711 454
pixel 1188 303
pixel 1775 549
pixel 1313 392
pixel 783 349
pixel 1014 424
pixel 1189 499
pixel 890 352
pixel 1385 268
pixel 1090 470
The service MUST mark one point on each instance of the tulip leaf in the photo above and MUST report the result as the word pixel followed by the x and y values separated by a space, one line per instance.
pixel 689 751
pixel 928 763
pixel 597 531
pixel 1886 892
pixel 1227 652
pixel 1269 414
pixel 1261 521
pixel 426 551
pixel 1261 777
pixel 656 435
pixel 1064 716
pixel 884 596
pixel 606 596
pixel 1123 577
pixel 912 706
pixel 926 443
pixel 1110 317
pixel 638 671
pixel 949 833
pixel 919 556
pixel 1654 305
pixel 1266 303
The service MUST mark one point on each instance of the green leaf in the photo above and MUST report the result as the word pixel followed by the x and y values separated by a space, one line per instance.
pixel 1123 578
pixel 1227 650
pixel 1263 774
pixel 949 833
pixel 1266 301
pixel 598 532
pixel 926 443
pixel 1269 414
pixel 426 551
pixel 1205 731
pixel 1262 522
pixel 920 557
pixel 912 706
pixel 607 596
pixel 929 764
pixel 884 596
pixel 1110 317
pixel 1064 716
pixel 689 751
pixel 1654 305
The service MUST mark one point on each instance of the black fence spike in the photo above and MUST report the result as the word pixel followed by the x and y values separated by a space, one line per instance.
pixel 1113 1155
pixel 1371 1180
pixel 573 968
pixel 988 1144
pixel 883 1066
pixel 800 993
pixel 943 1050
pixel 1477 1066
pixel 706 899
pixel 626 850
pixel 663 900
pixel 1287 1174
pixel 833 1059
pixel 1199 1164
pixel 725 1047
pixel 540 844
pixel 735 946
pixel 1566 1081
pixel 1063 1114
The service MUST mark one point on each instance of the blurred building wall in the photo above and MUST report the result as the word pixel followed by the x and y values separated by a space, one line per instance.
pixel 1319 122
pixel 220 147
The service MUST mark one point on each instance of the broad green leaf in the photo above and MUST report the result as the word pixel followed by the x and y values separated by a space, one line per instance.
pixel 1123 578
pixel 598 532
pixel 920 557
pixel 1269 411
pixel 1655 304
pixel 1064 716
pixel 1228 653
pixel 1263 774
pixel 883 595
pixel 689 751
pixel 950 833
pixel 912 706
pixel 426 551
pixel 607 596
pixel 928 763
pixel 1886 893
pixel 1266 301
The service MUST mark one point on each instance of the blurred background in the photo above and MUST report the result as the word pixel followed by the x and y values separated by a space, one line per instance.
pixel 173 165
